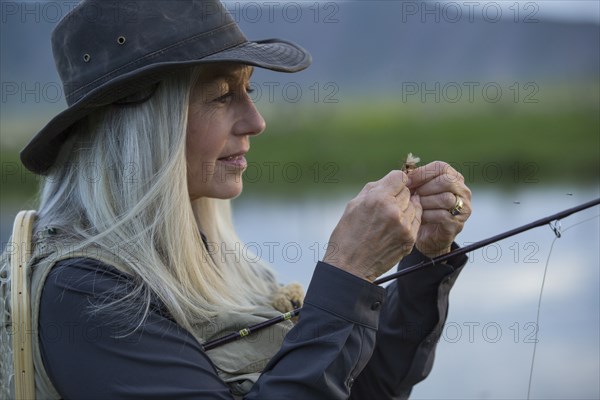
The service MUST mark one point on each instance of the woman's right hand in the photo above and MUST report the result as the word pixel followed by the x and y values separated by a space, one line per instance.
pixel 378 228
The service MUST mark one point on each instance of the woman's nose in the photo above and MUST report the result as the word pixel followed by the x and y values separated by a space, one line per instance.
pixel 250 121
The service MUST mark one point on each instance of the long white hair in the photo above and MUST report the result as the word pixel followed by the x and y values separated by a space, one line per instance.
pixel 121 186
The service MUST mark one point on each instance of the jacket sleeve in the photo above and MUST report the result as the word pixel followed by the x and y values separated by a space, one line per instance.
pixel 333 341
pixel 411 324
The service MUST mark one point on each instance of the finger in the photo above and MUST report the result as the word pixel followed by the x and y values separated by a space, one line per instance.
pixel 404 198
pixel 392 183
pixel 413 210
pixel 443 185
pixel 415 226
pixel 416 202
pixel 435 171
pixel 443 217
pixel 417 218
pixel 442 201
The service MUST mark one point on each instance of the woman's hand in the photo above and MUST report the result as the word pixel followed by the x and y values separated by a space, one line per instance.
pixel 439 186
pixel 377 229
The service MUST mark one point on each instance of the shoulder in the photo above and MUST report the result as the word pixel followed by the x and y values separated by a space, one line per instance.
pixel 82 317
pixel 87 276
pixel 89 288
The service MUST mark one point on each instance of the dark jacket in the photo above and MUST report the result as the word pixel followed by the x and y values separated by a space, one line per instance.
pixel 354 340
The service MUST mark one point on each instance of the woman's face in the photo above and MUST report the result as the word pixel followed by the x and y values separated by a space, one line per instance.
pixel 221 120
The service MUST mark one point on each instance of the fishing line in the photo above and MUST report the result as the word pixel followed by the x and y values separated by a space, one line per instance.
pixel 557 234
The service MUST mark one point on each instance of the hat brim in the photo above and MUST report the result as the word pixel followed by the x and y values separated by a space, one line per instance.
pixel 41 152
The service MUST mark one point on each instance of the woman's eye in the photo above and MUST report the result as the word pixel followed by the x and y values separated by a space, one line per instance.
pixel 232 95
pixel 224 98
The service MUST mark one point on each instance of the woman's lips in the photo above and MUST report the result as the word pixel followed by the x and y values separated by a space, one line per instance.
pixel 234 161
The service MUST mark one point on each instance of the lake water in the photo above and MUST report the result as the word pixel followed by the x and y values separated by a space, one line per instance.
pixel 486 348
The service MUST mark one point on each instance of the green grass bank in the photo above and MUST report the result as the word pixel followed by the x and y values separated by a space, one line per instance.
pixel 325 148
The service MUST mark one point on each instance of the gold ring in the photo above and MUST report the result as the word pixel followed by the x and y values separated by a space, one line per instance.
pixel 458 206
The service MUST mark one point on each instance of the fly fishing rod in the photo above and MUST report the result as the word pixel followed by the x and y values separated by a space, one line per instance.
pixel 211 344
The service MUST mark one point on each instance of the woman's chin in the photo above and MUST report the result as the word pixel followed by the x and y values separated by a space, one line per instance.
pixel 227 190
pixel 233 194
pixel 217 186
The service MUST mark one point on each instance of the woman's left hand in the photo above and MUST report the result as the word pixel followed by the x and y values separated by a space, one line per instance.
pixel 441 189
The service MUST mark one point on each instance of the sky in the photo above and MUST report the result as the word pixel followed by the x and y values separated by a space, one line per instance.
pixel 579 10
pixel 573 10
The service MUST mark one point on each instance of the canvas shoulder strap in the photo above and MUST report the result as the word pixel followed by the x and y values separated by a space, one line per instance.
pixel 24 374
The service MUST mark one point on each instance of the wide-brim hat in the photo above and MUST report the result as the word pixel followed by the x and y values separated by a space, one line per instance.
pixel 108 50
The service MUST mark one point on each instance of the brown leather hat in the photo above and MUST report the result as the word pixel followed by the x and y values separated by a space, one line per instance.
pixel 107 50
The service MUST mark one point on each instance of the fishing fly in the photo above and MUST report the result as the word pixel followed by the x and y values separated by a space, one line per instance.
pixel 410 163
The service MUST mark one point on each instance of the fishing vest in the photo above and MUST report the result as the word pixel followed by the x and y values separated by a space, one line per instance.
pixel 239 363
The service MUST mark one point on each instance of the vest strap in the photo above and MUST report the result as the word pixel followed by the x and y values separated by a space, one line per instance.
pixel 21 306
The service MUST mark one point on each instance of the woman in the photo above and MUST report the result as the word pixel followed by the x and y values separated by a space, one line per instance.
pixel 139 171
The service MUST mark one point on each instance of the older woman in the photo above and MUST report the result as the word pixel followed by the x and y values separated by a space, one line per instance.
pixel 139 172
